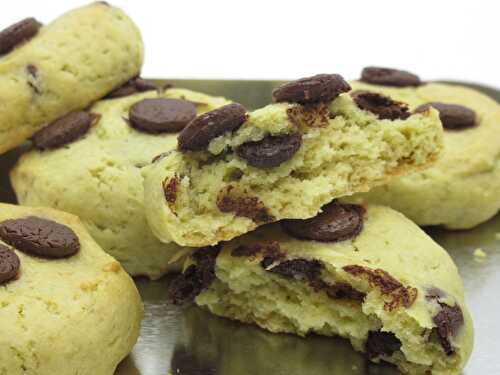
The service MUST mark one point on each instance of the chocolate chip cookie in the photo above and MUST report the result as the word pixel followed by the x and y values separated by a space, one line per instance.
pixel 460 191
pixel 367 274
pixel 65 303
pixel 236 169
pixel 50 71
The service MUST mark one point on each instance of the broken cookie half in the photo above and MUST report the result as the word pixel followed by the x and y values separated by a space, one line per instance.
pixel 235 170
pixel 375 279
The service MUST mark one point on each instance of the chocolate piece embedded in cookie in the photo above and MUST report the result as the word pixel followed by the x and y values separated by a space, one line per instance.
pixel 244 206
pixel 389 77
pixel 198 133
pixel 453 116
pixel 297 268
pixel 65 130
pixel 319 88
pixel 382 106
pixel 448 321
pixel 381 344
pixel 337 222
pixel 161 115
pixel 18 33
pixel 187 286
pixel 133 86
pixel 271 151
pixel 40 237
pixel 9 264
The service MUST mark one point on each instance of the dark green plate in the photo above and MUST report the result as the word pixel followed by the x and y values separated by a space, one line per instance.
pixel 192 342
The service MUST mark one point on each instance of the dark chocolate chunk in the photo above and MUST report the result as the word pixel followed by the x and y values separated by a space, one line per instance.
pixel 170 187
pixel 131 87
pixel 381 344
pixel 382 106
pixel 298 268
pixel 453 116
pixel 9 264
pixel 389 77
pixel 161 115
pixel 229 201
pixel 41 237
pixel 198 133
pixel 447 322
pixel 319 88
pixel 271 151
pixel 18 33
pixel 344 291
pixel 337 222
pixel 197 277
pixel 65 130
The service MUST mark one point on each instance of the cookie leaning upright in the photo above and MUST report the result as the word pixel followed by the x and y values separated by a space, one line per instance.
pixel 234 170
pixel 367 274
pixel 462 189
pixel 66 306
pixel 89 164
pixel 49 71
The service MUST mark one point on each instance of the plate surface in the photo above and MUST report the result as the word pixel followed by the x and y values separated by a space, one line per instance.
pixel 192 342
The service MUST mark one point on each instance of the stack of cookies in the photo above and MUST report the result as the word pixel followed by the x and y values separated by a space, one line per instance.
pixel 277 216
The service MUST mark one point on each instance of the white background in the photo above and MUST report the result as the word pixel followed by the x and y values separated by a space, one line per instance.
pixel 289 39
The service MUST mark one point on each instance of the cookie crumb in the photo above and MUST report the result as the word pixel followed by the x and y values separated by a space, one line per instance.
pixel 112 267
pixel 479 254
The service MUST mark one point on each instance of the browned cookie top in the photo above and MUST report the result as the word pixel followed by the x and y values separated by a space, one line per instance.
pixel 337 222
pixel 453 116
pixel 18 33
pixel 319 88
pixel 9 264
pixel 382 106
pixel 389 77
pixel 198 133
pixel 161 115
pixel 270 151
pixel 65 130
pixel 40 237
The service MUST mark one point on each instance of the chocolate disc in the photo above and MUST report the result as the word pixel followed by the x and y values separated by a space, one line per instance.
pixel 337 222
pixel 9 264
pixel 382 106
pixel 18 33
pixel 453 116
pixel 161 115
pixel 389 77
pixel 197 135
pixel 65 130
pixel 41 237
pixel 319 88
pixel 271 151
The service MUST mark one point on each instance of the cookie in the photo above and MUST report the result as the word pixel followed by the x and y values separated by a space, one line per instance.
pixel 460 191
pixel 388 288
pixel 235 170
pixel 49 71
pixel 80 313
pixel 97 176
